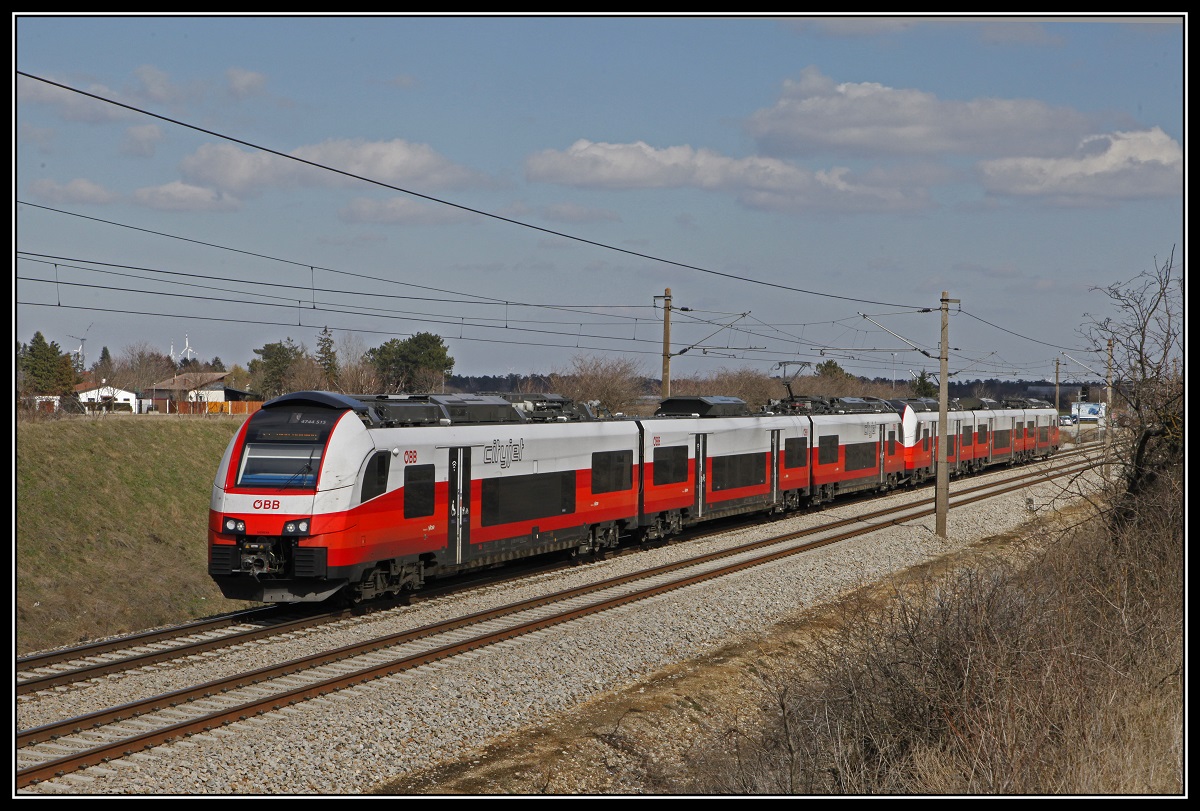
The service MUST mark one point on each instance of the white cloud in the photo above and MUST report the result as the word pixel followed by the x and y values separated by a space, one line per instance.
pixel 1104 168
pixel 177 196
pixel 141 141
pixel 759 182
pixel 817 115
pixel 75 191
pixel 396 162
pixel 239 172
pixel 621 166
pixel 245 83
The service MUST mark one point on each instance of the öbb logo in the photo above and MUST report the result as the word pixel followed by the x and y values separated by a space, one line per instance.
pixel 266 504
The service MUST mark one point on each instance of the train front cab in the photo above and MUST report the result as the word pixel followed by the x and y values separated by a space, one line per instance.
pixel 268 525
pixel 918 432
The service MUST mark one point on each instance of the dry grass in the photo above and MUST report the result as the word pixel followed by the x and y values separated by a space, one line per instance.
pixel 1061 676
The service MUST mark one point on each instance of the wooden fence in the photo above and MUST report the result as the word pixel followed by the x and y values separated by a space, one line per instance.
pixel 234 407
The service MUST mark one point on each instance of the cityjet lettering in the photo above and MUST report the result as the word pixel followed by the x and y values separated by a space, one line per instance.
pixel 504 454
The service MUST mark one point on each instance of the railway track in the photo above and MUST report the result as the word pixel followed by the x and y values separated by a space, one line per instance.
pixel 52 750
pixel 93 660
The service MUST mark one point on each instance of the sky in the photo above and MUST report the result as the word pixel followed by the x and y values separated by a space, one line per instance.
pixel 530 187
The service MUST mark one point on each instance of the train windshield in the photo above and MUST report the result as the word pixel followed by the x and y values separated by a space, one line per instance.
pixel 284 447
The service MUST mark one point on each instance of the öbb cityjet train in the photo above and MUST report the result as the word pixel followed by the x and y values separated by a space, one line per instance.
pixel 324 495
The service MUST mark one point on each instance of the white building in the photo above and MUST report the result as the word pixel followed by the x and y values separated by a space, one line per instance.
pixel 105 397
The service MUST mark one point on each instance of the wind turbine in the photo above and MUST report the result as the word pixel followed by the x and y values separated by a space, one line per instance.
pixel 82 343
pixel 187 348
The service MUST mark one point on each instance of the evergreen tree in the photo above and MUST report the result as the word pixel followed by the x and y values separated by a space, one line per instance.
pixel 327 358
pixel 399 363
pixel 923 386
pixel 103 369
pixel 46 368
pixel 271 370
pixel 830 369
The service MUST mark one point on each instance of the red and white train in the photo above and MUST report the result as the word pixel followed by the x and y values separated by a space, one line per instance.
pixel 324 494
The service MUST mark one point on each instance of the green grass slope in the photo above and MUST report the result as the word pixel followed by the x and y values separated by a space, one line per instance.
pixel 111 516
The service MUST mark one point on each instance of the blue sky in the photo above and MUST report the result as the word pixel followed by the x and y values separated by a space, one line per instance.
pixel 529 187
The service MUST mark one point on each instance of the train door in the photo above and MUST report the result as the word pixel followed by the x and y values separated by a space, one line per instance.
pixel 701 482
pixel 953 449
pixel 458 503
pixel 774 463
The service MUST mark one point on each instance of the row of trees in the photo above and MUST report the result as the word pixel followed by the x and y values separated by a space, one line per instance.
pixel 416 364
pixel 419 363
pixel 43 368
pixel 422 363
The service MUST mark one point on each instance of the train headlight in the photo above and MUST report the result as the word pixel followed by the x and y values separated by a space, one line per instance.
pixel 234 525
pixel 296 527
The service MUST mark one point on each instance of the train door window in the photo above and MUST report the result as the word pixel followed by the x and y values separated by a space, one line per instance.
pixel 612 471
pixel 950 444
pixel 1002 439
pixel 983 437
pixel 968 433
pixel 418 491
pixel 827 450
pixel 670 465
pixel 1043 435
pixel 741 470
pixel 891 448
pixel 925 440
pixel 795 452
pixel 375 477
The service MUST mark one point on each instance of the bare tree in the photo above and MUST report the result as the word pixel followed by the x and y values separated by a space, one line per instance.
pixel 427 380
pixel 355 373
pixel 754 387
pixel 1146 338
pixel 306 374
pixel 615 383
pixel 140 366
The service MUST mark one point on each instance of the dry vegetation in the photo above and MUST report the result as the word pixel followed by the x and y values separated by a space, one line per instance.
pixel 1060 676
pixel 1043 663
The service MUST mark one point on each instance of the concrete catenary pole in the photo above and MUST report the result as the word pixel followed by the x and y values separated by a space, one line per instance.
pixel 942 499
pixel 1056 399
pixel 666 369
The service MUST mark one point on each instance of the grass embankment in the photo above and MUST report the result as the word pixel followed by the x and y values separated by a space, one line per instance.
pixel 111 516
